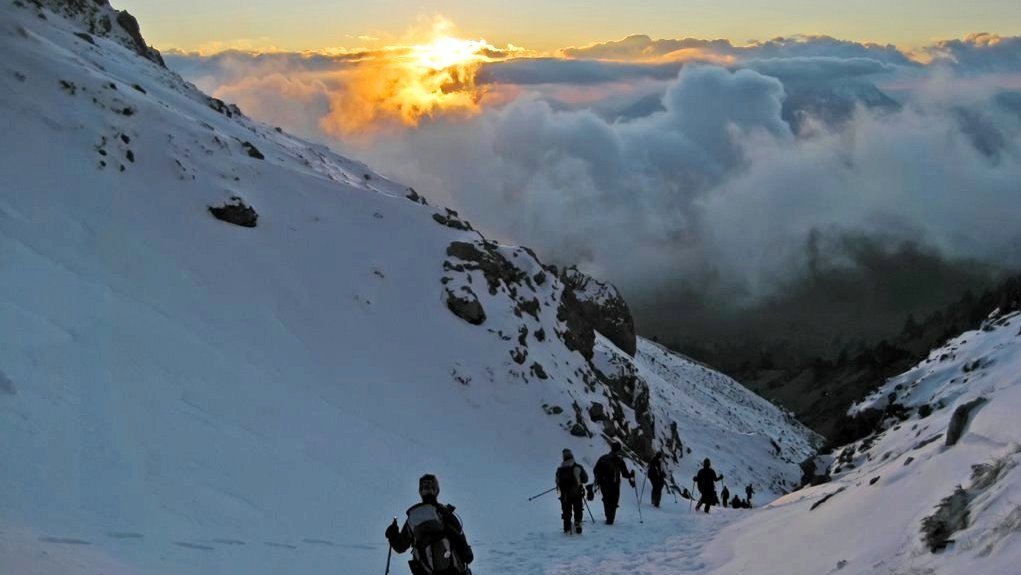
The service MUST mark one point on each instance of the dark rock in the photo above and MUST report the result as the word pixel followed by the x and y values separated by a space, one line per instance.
pixel 588 304
pixel 86 37
pixel 237 213
pixel 578 430
pixel 960 419
pixel 596 412
pixel 252 151
pixel 538 371
pixel 130 25
pixel 950 517
pixel 451 220
pixel 413 196
pixel 229 110
pixel 496 268
pixel 465 305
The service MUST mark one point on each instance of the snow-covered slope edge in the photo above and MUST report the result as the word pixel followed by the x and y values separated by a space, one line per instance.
pixel 936 492
pixel 179 394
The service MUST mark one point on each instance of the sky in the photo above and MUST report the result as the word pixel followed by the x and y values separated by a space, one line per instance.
pixel 546 26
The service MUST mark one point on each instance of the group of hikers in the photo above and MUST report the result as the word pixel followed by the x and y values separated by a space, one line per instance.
pixel 436 536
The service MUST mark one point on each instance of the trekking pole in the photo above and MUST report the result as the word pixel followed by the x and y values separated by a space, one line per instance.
pixel 534 497
pixel 691 498
pixel 389 551
pixel 639 498
pixel 590 516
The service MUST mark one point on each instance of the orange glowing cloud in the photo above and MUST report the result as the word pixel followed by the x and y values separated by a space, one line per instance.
pixel 433 73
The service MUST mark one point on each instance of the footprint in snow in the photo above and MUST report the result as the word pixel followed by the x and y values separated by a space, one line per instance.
pixel 187 545
pixel 229 541
pixel 124 535
pixel 64 541
pixel 280 545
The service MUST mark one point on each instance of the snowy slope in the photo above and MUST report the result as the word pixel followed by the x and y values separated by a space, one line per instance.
pixel 182 395
pixel 870 517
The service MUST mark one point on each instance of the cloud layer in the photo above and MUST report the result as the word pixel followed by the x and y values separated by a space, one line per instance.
pixel 698 174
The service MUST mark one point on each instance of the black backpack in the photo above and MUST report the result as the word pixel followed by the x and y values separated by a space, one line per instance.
pixel 604 470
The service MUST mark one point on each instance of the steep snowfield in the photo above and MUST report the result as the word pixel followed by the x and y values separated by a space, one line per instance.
pixel 870 518
pixel 183 395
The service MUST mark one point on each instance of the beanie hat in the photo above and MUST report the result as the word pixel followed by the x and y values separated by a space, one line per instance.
pixel 428 485
pixel 568 454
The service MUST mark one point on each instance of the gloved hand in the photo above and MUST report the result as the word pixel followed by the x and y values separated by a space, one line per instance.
pixel 631 480
pixel 392 531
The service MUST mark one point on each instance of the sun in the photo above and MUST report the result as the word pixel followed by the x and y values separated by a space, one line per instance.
pixel 432 73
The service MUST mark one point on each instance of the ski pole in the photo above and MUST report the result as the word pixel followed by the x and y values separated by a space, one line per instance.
pixel 534 497
pixel 389 551
pixel 590 516
pixel 639 498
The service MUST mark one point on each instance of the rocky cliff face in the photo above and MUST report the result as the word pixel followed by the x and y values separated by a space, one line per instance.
pixel 98 18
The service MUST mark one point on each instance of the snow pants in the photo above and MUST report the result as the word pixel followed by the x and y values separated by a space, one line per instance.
pixel 657 492
pixel 571 506
pixel 611 497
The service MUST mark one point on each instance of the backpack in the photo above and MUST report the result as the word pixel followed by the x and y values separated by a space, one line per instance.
pixel 571 479
pixel 603 471
pixel 434 552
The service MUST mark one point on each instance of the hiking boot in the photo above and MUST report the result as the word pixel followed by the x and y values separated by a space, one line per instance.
pixel 577 528
pixel 567 528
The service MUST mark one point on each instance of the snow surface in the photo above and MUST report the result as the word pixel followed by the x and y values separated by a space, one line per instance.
pixel 883 487
pixel 181 395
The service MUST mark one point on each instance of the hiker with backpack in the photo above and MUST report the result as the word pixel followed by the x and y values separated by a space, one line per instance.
pixel 657 477
pixel 571 479
pixel 725 496
pixel 706 482
pixel 749 491
pixel 608 471
pixel 434 533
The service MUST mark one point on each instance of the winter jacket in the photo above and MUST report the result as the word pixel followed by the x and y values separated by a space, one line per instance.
pixel 609 469
pixel 706 480
pixel 657 470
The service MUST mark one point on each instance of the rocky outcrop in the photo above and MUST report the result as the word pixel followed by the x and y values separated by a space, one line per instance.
pixel 465 305
pixel 100 19
pixel 589 304
pixel 237 213
pixel 959 420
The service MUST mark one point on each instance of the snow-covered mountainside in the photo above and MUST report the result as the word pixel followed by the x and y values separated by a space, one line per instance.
pixel 255 394
pixel 935 491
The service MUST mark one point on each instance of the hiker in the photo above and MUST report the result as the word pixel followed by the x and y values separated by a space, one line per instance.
pixel 608 470
pixel 725 496
pixel 657 477
pixel 434 533
pixel 706 481
pixel 571 479
pixel 749 492
pixel 736 502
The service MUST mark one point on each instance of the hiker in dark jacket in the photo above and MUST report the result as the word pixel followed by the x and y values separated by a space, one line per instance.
pixel 608 470
pixel 749 492
pixel 434 533
pixel 657 477
pixel 725 496
pixel 706 481
pixel 571 479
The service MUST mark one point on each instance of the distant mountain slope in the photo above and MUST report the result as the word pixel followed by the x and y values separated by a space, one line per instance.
pixel 935 491
pixel 180 394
